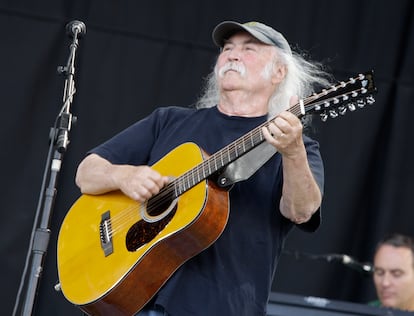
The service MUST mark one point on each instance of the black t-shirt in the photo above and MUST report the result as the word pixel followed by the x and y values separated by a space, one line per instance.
pixel 234 275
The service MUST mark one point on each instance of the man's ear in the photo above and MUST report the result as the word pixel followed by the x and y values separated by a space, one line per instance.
pixel 279 73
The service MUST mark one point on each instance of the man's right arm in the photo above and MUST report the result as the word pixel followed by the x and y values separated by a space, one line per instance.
pixel 96 175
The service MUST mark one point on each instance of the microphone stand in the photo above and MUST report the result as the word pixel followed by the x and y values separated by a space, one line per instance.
pixel 59 141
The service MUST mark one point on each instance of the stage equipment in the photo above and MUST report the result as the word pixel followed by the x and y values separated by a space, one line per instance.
pixel 58 143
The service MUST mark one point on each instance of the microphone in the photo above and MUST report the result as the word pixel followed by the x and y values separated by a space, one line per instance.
pixel 348 261
pixel 75 28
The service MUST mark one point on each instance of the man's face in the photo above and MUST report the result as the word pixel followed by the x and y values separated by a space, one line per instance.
pixel 247 64
pixel 394 277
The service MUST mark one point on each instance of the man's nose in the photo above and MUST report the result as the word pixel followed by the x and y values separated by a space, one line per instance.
pixel 234 53
pixel 386 279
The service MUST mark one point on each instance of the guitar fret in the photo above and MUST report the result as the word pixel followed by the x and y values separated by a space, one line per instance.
pixel 176 193
pixel 198 177
pixel 235 153
pixel 188 182
pixel 180 189
pixel 261 136
pixel 183 185
pixel 238 147
pixel 192 178
pixel 252 139
pixel 204 172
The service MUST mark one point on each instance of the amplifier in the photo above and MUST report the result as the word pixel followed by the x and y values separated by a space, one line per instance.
pixel 296 305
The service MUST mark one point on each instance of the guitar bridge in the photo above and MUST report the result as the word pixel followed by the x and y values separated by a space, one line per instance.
pixel 105 233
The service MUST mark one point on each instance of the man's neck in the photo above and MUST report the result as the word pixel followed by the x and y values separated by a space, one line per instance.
pixel 236 103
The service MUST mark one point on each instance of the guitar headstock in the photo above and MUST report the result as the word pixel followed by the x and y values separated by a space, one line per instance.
pixel 347 95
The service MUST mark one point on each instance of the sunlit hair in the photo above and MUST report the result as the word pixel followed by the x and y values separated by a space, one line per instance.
pixel 302 78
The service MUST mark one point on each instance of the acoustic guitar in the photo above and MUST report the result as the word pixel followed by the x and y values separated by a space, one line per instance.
pixel 114 254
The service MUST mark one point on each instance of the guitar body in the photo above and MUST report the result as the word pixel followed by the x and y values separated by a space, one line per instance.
pixel 122 280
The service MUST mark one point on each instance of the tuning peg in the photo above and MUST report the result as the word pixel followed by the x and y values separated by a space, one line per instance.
pixel 345 97
pixel 324 117
pixel 370 99
pixel 351 106
pixel 335 100
pixel 364 83
pixel 361 103
pixel 326 104
pixel 342 110
pixel 333 114
pixel 317 107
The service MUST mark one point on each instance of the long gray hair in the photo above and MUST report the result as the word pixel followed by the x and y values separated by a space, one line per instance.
pixel 302 77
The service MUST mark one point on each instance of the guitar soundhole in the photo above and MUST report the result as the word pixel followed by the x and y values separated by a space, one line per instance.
pixel 143 232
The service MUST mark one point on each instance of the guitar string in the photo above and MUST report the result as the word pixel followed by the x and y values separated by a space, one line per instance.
pixel 255 135
pixel 118 222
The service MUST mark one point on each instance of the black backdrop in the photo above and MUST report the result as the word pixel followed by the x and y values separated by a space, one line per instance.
pixel 139 55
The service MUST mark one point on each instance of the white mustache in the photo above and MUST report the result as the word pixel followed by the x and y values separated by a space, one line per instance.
pixel 235 66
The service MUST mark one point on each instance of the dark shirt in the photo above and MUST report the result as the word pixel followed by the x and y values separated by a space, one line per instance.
pixel 234 275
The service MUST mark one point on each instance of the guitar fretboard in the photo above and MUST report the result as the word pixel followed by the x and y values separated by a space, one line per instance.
pixel 219 160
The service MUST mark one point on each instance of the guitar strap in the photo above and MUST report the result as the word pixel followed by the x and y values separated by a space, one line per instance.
pixel 246 165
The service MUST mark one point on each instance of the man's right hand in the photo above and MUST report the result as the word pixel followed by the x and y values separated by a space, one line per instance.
pixel 96 175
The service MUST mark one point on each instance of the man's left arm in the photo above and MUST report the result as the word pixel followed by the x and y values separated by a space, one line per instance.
pixel 301 194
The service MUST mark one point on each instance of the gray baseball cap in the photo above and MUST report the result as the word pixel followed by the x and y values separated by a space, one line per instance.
pixel 260 31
